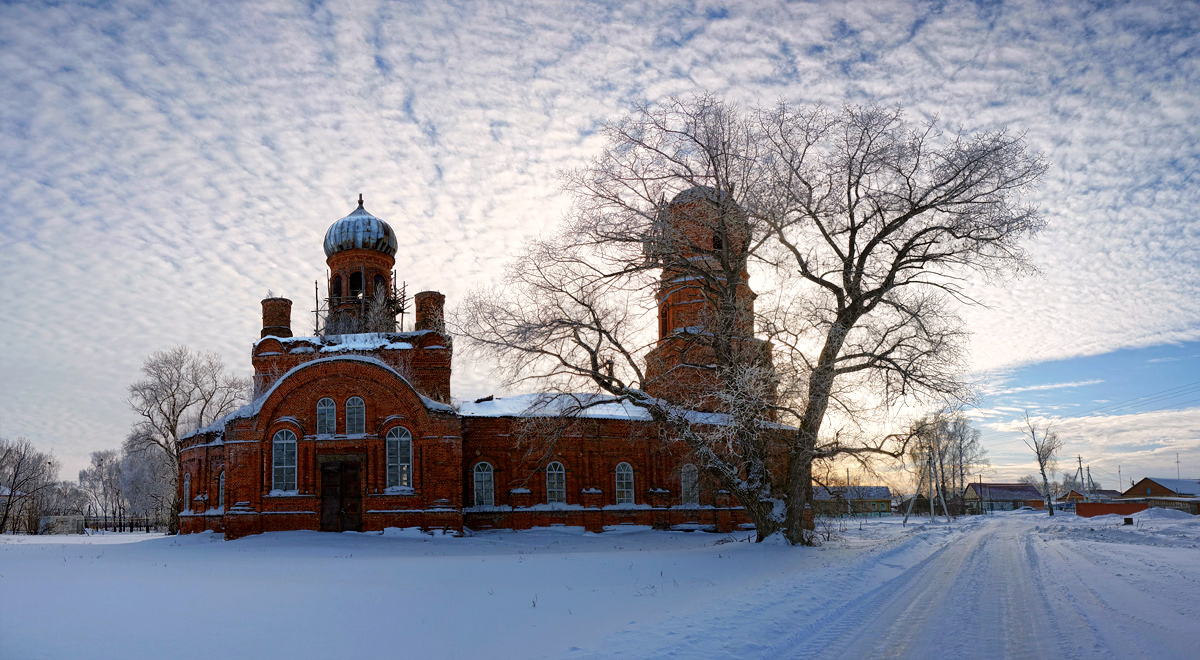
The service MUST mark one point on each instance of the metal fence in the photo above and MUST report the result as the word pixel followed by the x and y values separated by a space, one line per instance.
pixel 112 524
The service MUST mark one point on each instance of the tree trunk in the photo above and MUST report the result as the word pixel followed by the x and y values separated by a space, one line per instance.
pixel 1046 486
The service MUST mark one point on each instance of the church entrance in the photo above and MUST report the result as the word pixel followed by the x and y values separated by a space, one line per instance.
pixel 341 495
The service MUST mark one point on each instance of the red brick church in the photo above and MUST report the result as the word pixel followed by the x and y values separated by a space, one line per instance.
pixel 354 429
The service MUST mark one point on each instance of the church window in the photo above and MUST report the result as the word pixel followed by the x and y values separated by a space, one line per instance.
pixel 484 485
pixel 689 477
pixel 283 461
pixel 399 457
pixel 187 492
pixel 556 483
pixel 337 286
pixel 624 484
pixel 221 490
pixel 378 286
pixel 356 284
pixel 356 416
pixel 326 416
pixel 718 245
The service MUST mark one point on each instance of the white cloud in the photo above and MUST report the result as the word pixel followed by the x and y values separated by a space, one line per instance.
pixel 164 164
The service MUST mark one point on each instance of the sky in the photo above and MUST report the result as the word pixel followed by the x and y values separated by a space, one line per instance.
pixel 163 165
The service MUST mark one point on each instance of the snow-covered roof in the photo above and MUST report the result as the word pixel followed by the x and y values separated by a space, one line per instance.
pixel 853 493
pixel 594 406
pixel 584 405
pixel 254 407
pixel 363 341
pixel 1181 486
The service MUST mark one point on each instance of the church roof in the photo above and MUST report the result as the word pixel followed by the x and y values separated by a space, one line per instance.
pixel 360 230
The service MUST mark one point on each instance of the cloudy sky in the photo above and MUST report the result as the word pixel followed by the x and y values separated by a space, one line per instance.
pixel 163 165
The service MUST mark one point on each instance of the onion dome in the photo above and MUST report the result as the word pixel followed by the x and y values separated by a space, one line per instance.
pixel 360 230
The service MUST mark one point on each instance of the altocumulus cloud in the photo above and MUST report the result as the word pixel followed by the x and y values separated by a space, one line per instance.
pixel 164 164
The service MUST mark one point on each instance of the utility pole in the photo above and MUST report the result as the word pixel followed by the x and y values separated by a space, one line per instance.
pixel 1176 465
pixel 1089 484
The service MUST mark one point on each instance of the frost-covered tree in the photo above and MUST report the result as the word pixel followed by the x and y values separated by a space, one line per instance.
pixel 25 473
pixel 181 391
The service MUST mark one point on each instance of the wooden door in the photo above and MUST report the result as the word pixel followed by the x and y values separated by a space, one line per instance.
pixel 351 498
pixel 341 496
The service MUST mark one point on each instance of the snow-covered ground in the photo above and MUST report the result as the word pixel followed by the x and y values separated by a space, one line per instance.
pixel 1017 585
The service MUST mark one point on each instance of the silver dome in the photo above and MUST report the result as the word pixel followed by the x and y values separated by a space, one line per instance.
pixel 360 230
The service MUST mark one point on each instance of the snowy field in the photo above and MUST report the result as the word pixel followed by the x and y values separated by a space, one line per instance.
pixel 1016 585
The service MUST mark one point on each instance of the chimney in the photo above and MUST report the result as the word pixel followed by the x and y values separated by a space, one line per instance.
pixel 277 317
pixel 429 311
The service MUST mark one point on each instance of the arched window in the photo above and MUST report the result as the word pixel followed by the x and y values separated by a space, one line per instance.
pixel 484 485
pixel 689 478
pixel 356 416
pixel 326 417
pixel 399 457
pixel 337 286
pixel 624 484
pixel 379 285
pixel 187 492
pixel 556 483
pixel 221 490
pixel 356 284
pixel 283 461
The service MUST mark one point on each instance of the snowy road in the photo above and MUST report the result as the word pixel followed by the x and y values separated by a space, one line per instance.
pixel 1004 587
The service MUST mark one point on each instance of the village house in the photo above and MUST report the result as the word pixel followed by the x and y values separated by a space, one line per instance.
pixel 985 497
pixel 852 501
pixel 355 428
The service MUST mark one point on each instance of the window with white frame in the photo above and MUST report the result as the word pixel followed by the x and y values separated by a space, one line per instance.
pixel 624 484
pixel 187 492
pixel 484 485
pixel 356 416
pixel 221 490
pixel 326 417
pixel 689 478
pixel 283 462
pixel 399 457
pixel 556 483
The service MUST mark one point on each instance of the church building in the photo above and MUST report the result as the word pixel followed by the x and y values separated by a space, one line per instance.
pixel 355 428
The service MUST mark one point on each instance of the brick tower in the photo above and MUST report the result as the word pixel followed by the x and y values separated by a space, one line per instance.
pixel 360 250
pixel 690 242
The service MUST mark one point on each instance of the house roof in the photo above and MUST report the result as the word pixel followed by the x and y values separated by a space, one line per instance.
pixel 1180 486
pixel 852 493
pixel 1006 491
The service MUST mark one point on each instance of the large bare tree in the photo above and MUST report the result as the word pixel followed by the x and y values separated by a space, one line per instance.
pixel 181 392
pixel 863 227
pixel 1045 445
pixel 25 473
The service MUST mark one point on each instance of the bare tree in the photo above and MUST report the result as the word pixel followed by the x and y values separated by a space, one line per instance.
pixel 863 225
pixel 102 480
pixel 1045 445
pixel 25 473
pixel 148 480
pixel 181 392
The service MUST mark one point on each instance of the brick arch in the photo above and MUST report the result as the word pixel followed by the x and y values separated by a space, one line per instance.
pixel 385 394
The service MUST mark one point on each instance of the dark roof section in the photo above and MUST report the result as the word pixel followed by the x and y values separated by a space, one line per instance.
pixel 1006 492
pixel 852 493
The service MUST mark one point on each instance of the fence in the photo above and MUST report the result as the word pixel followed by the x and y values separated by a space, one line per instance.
pixel 111 524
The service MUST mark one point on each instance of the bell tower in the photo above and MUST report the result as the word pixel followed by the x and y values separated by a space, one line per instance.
pixel 698 233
